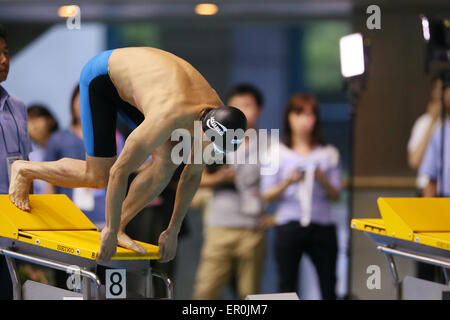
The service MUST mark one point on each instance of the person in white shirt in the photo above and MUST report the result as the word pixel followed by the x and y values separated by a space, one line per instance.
pixel 307 181
pixel 422 131
pixel 418 143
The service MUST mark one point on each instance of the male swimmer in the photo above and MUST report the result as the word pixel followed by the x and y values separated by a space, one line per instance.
pixel 155 92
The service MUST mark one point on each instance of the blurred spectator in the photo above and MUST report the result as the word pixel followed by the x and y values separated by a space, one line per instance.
pixel 430 170
pixel 422 131
pixel 304 222
pixel 431 163
pixel 15 144
pixel 422 136
pixel 234 246
pixel 41 124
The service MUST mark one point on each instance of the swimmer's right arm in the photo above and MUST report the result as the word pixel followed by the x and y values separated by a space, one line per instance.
pixel 138 147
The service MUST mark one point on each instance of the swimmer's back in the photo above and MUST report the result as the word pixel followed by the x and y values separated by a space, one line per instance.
pixel 152 78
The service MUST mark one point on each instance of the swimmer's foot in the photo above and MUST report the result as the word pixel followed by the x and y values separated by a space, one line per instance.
pixel 19 186
pixel 126 242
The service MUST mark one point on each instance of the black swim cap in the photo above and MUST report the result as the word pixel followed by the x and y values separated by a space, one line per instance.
pixel 225 127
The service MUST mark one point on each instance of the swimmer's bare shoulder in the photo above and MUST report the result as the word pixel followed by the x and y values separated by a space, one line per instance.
pixel 152 79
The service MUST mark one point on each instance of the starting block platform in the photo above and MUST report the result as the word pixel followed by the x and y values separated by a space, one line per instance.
pixel 413 228
pixel 58 235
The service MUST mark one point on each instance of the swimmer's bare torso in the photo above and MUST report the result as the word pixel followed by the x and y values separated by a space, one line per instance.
pixel 158 82
pixel 171 94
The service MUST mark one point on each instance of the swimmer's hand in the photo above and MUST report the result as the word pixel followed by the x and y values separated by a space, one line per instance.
pixel 168 241
pixel 108 245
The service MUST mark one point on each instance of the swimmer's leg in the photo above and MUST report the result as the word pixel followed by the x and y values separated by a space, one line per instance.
pixel 66 173
pixel 147 185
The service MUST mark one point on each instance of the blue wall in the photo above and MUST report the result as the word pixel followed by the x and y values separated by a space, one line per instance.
pixel 47 70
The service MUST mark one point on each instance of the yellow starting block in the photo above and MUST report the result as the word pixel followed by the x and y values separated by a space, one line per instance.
pixel 413 228
pixel 57 234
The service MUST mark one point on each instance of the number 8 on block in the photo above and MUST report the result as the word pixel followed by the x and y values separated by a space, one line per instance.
pixel 116 284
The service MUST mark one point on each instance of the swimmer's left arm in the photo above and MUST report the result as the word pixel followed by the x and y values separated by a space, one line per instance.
pixel 187 187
